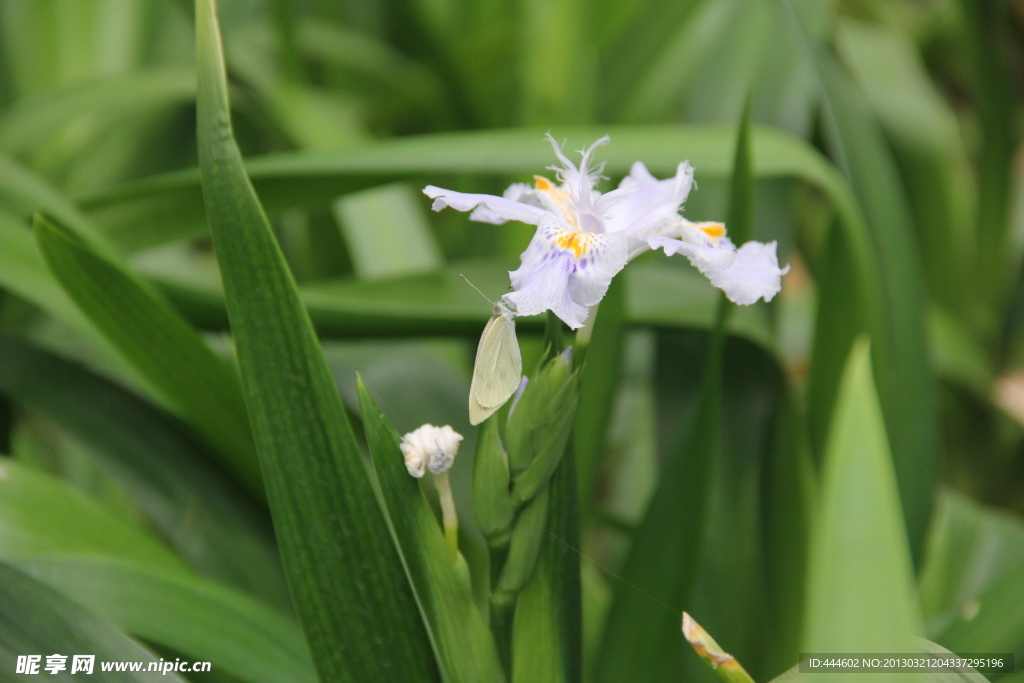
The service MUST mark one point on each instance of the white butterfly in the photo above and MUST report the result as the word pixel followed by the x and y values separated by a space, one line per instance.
pixel 499 364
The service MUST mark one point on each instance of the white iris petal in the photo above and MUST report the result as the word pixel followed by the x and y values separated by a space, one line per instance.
pixel 584 238
pixel 566 272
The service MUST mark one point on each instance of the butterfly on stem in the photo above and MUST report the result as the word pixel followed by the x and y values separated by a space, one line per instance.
pixel 499 364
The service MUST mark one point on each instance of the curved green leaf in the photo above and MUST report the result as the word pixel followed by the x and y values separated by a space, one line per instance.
pixel 197 618
pixel 35 619
pixel 970 549
pixel 346 577
pixel 167 354
pixel 24 193
pixel 860 587
pixel 663 561
pixel 164 208
pixel 24 273
pixel 202 513
pixel 36 119
pixel 464 646
pixel 907 386
pixel 547 637
pixel 41 516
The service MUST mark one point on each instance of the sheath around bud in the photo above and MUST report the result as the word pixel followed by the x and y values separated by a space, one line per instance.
pixel 430 447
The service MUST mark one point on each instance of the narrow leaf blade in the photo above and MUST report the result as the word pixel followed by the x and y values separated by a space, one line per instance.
pixel 346 576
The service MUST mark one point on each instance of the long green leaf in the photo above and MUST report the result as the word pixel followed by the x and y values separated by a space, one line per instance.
pixel 907 386
pixel 24 273
pixel 860 587
pixel 167 354
pixel 202 513
pixel 164 208
pixel 989 59
pixel 970 548
pixel 23 192
pixel 34 120
pixel 789 507
pixel 35 619
pixel 465 649
pixel 663 560
pixel 387 232
pixel 547 637
pixel 440 303
pixel 927 140
pixel 346 576
pixel 197 618
pixel 994 622
pixel 41 516
pixel 66 540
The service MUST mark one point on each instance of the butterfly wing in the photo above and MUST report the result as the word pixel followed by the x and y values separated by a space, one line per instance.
pixel 498 368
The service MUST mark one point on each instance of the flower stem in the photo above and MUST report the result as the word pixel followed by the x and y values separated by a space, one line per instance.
pixel 449 517
pixel 503 607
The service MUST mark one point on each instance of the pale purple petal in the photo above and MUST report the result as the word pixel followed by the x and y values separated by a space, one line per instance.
pixel 745 275
pixel 564 276
pixel 495 209
pixel 643 202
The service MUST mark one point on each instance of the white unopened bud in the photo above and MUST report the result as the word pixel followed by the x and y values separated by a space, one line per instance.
pixel 430 447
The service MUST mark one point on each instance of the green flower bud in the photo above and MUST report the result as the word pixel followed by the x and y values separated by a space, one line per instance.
pixel 492 504
pixel 540 425
pixel 525 546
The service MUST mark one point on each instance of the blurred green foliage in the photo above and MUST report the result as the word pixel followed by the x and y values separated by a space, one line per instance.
pixel 792 474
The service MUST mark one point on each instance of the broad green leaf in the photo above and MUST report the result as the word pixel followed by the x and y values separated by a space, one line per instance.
pixel 662 564
pixel 24 193
pixel 464 646
pixel 24 273
pixel 202 513
pixel 557 76
pixel 985 38
pixel 970 548
pixel 907 386
pixel 658 93
pixel 860 585
pixel 547 636
pixel 387 233
pixel 166 354
pixel 958 354
pixel 788 509
pixel 378 64
pixel 346 576
pixel 658 294
pixel 993 621
pixel 927 140
pixel 52 43
pixel 34 618
pixel 39 515
pixel 66 540
pixel 34 120
pixel 165 208
pixel 636 35
pixel 195 617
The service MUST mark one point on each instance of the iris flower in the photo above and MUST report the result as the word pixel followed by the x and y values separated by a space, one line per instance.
pixel 584 237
